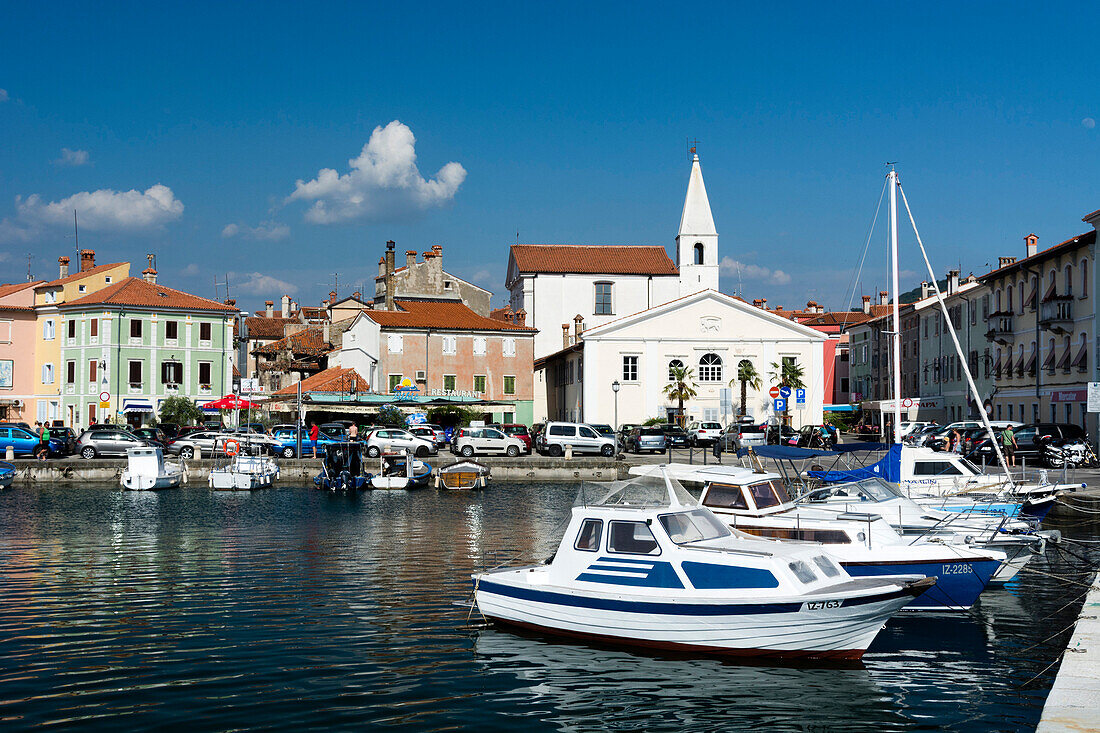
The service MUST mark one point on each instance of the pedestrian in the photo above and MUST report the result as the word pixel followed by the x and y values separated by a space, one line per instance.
pixel 832 433
pixel 1008 445
pixel 958 443
pixel 353 432
pixel 43 449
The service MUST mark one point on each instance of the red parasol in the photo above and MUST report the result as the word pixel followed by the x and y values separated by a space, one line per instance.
pixel 230 402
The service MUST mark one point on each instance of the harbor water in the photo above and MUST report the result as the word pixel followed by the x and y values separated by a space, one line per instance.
pixel 296 608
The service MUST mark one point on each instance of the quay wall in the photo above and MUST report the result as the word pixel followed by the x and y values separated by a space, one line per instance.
pixel 1074 701
pixel 301 471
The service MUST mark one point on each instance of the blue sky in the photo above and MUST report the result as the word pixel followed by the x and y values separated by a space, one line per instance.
pixel 167 124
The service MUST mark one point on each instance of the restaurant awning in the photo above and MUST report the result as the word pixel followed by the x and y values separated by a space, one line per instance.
pixel 137 406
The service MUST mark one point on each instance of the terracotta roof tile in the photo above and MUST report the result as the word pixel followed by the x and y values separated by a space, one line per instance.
pixel 451 315
pixel 267 329
pixel 594 259
pixel 838 318
pixel 336 379
pixel 12 288
pixel 1081 240
pixel 81 275
pixel 309 341
pixel 136 292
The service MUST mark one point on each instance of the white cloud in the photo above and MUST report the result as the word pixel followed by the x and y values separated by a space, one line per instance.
pixel 191 269
pixel 267 231
pixel 257 283
pixel 3 95
pixel 754 272
pixel 72 157
pixel 1088 123
pixel 383 183
pixel 104 210
pixel 482 276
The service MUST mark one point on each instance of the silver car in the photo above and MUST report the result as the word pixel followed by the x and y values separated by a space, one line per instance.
pixel 397 439
pixel 486 440
pixel 108 442
pixel 646 439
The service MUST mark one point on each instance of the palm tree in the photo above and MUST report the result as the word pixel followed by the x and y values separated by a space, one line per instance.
pixel 787 374
pixel 748 377
pixel 681 387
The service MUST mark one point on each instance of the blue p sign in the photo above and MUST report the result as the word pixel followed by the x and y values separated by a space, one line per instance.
pixel 780 404
pixel 800 396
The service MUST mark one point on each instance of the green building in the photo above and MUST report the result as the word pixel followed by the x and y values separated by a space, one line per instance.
pixel 128 347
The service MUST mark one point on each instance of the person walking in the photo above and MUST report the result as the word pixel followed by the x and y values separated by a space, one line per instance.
pixel 43 449
pixel 353 432
pixel 314 431
pixel 1008 445
pixel 958 443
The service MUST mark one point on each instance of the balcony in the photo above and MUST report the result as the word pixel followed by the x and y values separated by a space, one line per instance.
pixel 134 388
pixel 1000 328
pixel 1056 314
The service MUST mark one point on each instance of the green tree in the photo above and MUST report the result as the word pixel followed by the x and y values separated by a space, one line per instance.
pixel 181 411
pixel 453 416
pixel 787 373
pixel 390 415
pixel 681 387
pixel 748 377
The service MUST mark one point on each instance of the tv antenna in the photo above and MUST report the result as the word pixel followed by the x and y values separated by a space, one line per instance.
pixel 693 148
pixel 224 283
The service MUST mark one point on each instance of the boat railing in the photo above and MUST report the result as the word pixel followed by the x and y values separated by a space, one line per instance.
pixel 728 550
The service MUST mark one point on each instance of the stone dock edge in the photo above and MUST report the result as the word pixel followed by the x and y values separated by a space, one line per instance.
pixel 1074 701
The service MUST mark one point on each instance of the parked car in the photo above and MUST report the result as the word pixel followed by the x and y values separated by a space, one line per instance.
pixel 109 441
pixel 336 431
pixel 67 436
pixel 200 441
pixel 286 444
pixel 423 431
pixel 603 429
pixel 398 439
pixel 814 436
pixel 438 431
pixel 703 433
pixel 170 429
pixel 649 438
pixel 24 442
pixel 675 436
pixel 20 425
pixel 742 435
pixel 152 435
pixel 582 438
pixel 781 435
pixel 1029 439
pixel 517 431
pixel 471 441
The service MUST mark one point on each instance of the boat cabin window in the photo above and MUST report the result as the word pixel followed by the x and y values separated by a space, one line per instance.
pixel 768 494
pixel 692 526
pixel 969 466
pixel 725 496
pixel 802 571
pixel 827 566
pixel 588 539
pixel 824 536
pixel 935 468
pixel 876 490
pixel 632 538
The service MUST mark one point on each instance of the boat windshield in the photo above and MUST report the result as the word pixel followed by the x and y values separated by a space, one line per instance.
pixel 767 494
pixel 869 489
pixel 969 466
pixel 693 526
pixel 656 489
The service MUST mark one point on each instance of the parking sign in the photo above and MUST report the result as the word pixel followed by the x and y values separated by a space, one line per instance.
pixel 780 404
pixel 800 395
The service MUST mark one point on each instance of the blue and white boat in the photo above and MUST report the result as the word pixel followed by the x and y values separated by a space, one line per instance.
pixel 646 565
pixel 342 467
pixel 7 474
pixel 757 503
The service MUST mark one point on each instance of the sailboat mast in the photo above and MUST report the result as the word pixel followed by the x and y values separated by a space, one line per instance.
pixel 895 338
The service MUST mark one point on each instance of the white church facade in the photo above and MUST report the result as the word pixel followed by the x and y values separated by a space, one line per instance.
pixel 625 313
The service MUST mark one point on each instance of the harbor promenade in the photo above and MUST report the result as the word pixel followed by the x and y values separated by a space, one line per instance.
pixel 1074 701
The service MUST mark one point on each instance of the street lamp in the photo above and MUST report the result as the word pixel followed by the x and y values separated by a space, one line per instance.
pixel 615 388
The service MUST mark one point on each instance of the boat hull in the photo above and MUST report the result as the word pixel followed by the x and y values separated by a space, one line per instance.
pixel 959 581
pixel 826 629
pixel 137 482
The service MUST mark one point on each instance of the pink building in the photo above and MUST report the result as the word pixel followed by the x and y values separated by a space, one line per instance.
pixel 17 339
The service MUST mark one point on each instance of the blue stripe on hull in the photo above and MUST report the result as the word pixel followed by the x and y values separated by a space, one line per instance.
pixel 958 583
pixel 670 609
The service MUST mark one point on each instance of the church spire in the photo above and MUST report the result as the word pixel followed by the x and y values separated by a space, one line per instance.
pixel 696 219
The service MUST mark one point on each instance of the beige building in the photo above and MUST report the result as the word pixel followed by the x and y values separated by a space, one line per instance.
pixel 425 279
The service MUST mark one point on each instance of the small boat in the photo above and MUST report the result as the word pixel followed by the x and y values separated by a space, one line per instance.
pixel 646 565
pixel 147 470
pixel 245 473
pixel 342 467
pixel 400 471
pixel 7 474
pixel 463 475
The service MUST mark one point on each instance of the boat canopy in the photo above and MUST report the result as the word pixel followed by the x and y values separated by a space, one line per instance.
pixel 856 447
pixel 655 489
pixel 784 452
pixel 888 468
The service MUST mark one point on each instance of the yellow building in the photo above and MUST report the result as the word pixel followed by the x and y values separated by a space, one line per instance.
pixel 51 329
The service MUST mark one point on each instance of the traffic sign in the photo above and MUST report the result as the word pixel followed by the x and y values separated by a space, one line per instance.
pixel 104 405
pixel 907 402
pixel 784 392
pixel 104 396
pixel 774 392
pixel 800 395
pixel 780 404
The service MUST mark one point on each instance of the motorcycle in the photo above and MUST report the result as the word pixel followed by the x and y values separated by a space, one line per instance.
pixel 1071 454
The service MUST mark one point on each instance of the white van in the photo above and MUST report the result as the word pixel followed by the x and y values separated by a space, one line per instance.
pixel 556 436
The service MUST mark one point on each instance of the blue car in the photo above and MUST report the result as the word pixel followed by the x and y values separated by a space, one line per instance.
pixel 24 442
pixel 288 444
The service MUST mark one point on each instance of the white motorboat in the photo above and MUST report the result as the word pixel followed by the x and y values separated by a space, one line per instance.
pixel 462 475
pixel 244 473
pixel 864 544
pixel 400 471
pixel 146 470
pixel 646 565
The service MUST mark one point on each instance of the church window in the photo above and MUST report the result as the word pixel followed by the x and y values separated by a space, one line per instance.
pixel 710 368
pixel 674 364
pixel 698 253
pixel 630 369
pixel 603 299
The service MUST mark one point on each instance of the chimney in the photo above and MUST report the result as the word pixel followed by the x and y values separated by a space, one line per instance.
pixel 1031 243
pixel 1005 261
pixel 149 275
pixel 756 302
pixel 381 267
pixel 389 274
pixel 269 308
pixel 952 282
pixel 925 289
pixel 357 295
pixel 286 306
pixel 63 266
pixel 332 297
pixel 231 302
pixel 867 304
pixel 438 249
pixel 565 335
pixel 410 258
pixel 764 303
pixel 521 315
pixel 577 321
pixel 326 332
pixel 87 259
pixel 883 297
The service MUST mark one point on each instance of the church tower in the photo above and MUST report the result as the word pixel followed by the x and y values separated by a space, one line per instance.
pixel 697 242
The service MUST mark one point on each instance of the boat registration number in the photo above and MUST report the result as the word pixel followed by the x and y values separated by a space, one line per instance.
pixel 821 605
pixel 958 568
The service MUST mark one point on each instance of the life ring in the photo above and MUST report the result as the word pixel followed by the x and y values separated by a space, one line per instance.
pixel 232 447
